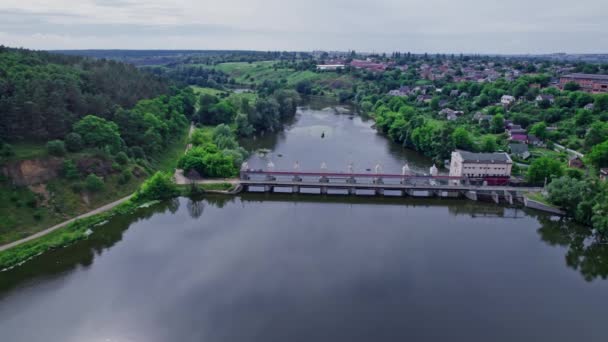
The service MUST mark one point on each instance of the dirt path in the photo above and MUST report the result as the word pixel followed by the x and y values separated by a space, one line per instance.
pixel 90 213
pixel 63 224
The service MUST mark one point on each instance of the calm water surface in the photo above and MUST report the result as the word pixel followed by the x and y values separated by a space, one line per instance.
pixel 306 268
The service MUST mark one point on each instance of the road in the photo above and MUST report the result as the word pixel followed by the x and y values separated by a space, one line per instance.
pixel 63 224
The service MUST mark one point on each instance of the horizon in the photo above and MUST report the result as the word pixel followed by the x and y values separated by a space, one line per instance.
pixel 519 27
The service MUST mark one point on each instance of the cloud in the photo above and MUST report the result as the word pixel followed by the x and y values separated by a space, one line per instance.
pixel 515 26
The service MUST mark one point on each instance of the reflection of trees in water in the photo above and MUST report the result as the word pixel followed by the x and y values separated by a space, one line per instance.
pixel 587 252
pixel 196 204
pixel 81 253
pixel 195 208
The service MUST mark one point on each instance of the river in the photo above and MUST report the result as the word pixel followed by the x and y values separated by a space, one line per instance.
pixel 276 267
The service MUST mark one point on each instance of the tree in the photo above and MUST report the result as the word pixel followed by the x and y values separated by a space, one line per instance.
pixel 243 127
pixel 462 139
pixel 599 155
pixel 572 86
pixel 304 87
pixel 488 144
pixel 56 148
pixel 93 183
pixel 159 186
pixel 98 132
pixel 567 193
pixel 435 103
pixel 498 123
pixel 73 142
pixel 69 170
pixel 539 129
pixel 597 133
pixel 544 168
pixel 583 117
pixel 122 158
pixel 601 103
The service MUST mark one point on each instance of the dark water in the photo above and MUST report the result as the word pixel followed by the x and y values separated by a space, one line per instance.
pixel 283 268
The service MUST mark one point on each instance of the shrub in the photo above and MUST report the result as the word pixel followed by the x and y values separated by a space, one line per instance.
pixel 73 142
pixel 37 216
pixel 6 150
pixel 137 152
pixel 69 170
pixel 77 187
pixel 159 186
pixel 125 176
pixel 122 158
pixel 93 183
pixel 56 148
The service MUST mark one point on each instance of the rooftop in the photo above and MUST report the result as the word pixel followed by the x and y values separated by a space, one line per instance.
pixel 588 76
pixel 484 157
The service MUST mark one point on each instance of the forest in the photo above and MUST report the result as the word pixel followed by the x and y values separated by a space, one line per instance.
pixel 43 94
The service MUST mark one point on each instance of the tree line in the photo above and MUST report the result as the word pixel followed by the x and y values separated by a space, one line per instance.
pixel 43 94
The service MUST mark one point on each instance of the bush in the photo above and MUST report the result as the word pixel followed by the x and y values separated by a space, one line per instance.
pixel 37 216
pixel 137 152
pixel 77 187
pixel 159 186
pixel 6 150
pixel 56 148
pixel 93 183
pixel 70 171
pixel 73 142
pixel 122 158
pixel 125 176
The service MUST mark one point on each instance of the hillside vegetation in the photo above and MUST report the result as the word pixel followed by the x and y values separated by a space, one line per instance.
pixel 42 94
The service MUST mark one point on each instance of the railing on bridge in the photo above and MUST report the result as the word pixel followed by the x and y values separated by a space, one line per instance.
pixel 377 178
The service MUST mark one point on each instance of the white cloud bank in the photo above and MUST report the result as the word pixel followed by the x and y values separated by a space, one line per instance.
pixel 470 26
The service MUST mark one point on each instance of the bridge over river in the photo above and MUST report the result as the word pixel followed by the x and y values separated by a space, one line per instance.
pixel 380 184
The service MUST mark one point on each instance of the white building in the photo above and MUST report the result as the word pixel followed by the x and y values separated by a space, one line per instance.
pixel 477 165
pixel 507 100
pixel 330 66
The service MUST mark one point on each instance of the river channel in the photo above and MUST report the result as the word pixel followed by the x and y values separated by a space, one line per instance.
pixel 279 267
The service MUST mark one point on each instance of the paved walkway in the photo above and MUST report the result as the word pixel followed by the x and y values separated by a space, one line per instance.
pixel 63 224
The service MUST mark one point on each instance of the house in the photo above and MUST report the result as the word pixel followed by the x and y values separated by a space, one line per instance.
pixel 402 91
pixel 576 162
pixel 451 114
pixel 535 141
pixel 424 98
pixel 589 106
pixel 480 165
pixel 545 97
pixel 330 67
pixel 481 117
pixel 454 93
pixel 507 100
pixel 588 82
pixel 519 150
pixel 604 174
pixel 519 137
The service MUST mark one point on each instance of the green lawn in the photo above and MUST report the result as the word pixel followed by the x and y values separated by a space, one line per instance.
pixel 538 197
pixel 29 150
pixel 208 91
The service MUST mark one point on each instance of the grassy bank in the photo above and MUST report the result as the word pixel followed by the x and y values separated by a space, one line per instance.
pixel 73 232
pixel 80 229
pixel 24 212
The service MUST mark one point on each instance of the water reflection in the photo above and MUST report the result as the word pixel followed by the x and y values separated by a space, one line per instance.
pixel 328 268
pixel 82 253
pixel 587 253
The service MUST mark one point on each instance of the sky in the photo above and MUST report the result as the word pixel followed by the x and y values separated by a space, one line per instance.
pixel 434 26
